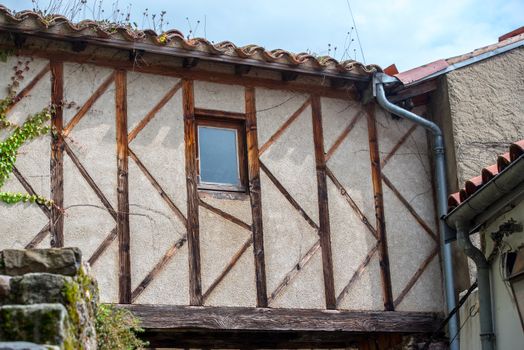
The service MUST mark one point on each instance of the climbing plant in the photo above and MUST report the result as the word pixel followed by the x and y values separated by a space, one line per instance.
pixel 34 126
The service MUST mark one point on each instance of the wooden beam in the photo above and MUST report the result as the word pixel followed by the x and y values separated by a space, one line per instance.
pixel 397 145
pixel 157 187
pixel 152 113
pixel 219 114
pixel 288 196
pixel 225 215
pixel 27 186
pixel 57 154
pixel 122 225
pixel 25 91
pixel 294 272
pixel 195 74
pixel 89 179
pixel 88 104
pixel 255 196
pixel 193 230
pixel 163 317
pixel 284 127
pixel 416 276
pixel 376 177
pixel 412 91
pixel 343 135
pixel 158 268
pixel 39 237
pixel 103 246
pixel 323 205
pixel 351 202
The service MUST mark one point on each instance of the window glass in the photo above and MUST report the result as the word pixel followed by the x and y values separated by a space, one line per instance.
pixel 218 154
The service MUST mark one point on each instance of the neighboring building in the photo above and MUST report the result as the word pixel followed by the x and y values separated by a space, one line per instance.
pixel 492 204
pixel 232 195
pixel 478 100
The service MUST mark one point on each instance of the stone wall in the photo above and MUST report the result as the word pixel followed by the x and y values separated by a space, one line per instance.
pixel 46 297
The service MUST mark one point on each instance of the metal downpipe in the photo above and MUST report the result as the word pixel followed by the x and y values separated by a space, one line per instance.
pixel 484 288
pixel 441 190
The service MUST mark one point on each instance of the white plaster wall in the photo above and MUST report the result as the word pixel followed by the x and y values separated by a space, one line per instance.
pixel 219 96
pixel 487 110
pixel 154 227
pixel 21 222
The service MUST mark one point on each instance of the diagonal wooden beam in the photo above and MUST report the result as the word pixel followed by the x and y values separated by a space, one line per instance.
pixel 415 277
pixel 225 215
pixel 152 113
pixel 89 180
pixel 351 202
pixel 383 255
pixel 27 186
pixel 323 205
pixel 103 246
pixel 294 272
pixel 88 104
pixel 40 236
pixel 343 135
pixel 288 196
pixel 158 268
pixel 284 127
pixel 255 196
pixel 358 272
pixel 410 208
pixel 400 142
pixel 25 91
pixel 228 267
pixel 157 186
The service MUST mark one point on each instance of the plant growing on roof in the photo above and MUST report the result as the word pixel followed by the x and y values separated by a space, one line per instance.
pixel 33 127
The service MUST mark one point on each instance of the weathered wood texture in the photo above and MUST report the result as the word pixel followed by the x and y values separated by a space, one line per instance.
pixel 376 177
pixel 124 278
pixel 255 196
pixel 323 205
pixel 57 155
pixel 264 319
pixel 193 231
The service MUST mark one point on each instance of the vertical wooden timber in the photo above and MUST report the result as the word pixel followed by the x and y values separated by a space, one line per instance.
pixel 255 197
pixel 323 205
pixel 193 232
pixel 124 278
pixel 376 176
pixel 57 149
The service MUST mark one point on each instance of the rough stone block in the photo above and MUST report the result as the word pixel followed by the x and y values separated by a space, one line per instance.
pixel 22 345
pixel 37 288
pixel 64 261
pixel 39 323
pixel 4 288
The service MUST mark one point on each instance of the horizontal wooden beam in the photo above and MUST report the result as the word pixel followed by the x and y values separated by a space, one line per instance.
pixel 163 317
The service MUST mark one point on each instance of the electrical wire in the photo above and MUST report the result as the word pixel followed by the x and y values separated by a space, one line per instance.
pixel 356 31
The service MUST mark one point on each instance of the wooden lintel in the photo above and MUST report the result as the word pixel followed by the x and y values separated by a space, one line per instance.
pixel 78 46
pixel 242 69
pixel 288 76
pixel 190 62
pixel 412 91
pixel 163 317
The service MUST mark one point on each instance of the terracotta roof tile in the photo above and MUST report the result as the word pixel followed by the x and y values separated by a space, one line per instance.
pixel 487 174
pixel 61 26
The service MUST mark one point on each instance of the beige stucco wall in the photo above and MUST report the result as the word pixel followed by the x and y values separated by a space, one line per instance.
pixel 154 228
pixel 508 330
pixel 486 100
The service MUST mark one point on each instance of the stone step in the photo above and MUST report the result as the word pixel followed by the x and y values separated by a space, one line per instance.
pixel 63 261
pixel 38 323
pixel 37 288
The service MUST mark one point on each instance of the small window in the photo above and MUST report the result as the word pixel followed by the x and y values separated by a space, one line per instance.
pixel 221 155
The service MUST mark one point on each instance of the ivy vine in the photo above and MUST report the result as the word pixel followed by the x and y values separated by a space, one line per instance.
pixel 34 126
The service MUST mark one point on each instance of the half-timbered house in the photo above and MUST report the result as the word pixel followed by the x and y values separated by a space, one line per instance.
pixel 229 196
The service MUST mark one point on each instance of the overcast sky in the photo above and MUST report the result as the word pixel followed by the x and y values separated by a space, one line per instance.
pixel 406 32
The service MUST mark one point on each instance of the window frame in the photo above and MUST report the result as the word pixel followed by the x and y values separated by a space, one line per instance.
pixel 240 129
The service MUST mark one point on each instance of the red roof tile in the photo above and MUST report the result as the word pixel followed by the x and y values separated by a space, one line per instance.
pixel 472 185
